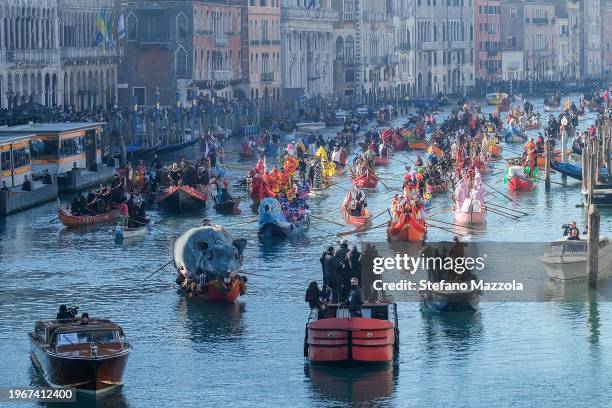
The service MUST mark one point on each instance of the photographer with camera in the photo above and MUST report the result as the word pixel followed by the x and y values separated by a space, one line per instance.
pixel 569 228
pixel 66 312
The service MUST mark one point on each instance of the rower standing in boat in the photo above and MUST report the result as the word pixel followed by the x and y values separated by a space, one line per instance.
pixel 355 299
pixel 359 202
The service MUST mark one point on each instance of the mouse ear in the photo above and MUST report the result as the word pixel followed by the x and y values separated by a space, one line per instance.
pixel 201 245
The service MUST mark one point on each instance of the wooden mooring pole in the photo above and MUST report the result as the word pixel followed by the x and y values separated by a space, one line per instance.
pixel 547 164
pixel 592 162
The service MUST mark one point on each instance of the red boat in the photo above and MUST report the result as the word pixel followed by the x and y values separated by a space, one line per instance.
pixel 418 145
pixel 181 198
pixel 357 220
pixel 368 180
pixel 70 220
pixel 399 144
pixel 215 290
pixel 382 160
pixel 438 188
pixel 339 338
pixel 406 231
pixel 518 183
pixel 90 358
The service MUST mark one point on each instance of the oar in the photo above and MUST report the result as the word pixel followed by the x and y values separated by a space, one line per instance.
pixel 326 220
pixel 448 230
pixel 371 219
pixel 396 159
pixel 503 214
pixel 452 223
pixel 494 189
pixel 506 208
pixel 342 234
pixel 157 270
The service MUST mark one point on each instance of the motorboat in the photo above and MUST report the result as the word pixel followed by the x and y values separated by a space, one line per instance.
pixel 566 259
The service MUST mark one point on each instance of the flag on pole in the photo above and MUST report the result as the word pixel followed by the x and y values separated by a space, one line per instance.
pixel 101 26
pixel 121 30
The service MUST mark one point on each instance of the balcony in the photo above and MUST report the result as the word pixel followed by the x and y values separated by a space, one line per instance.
pixel 403 47
pixel 374 60
pixel 265 42
pixel 538 20
pixel 391 59
pixel 30 56
pixel 91 52
pixel 220 40
pixel 254 42
pixel 348 16
pixel 222 75
pixel 203 33
pixel 428 46
pixel 275 42
pixel 267 77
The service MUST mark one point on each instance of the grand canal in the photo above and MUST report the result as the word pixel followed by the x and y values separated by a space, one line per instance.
pixel 548 353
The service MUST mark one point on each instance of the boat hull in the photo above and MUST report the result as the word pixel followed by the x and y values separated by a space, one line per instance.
pixel 370 181
pixel 574 267
pixel 92 375
pixel 472 217
pixel 215 292
pixel 407 234
pixel 382 160
pixel 126 233
pixel 357 220
pixel 517 183
pixel 181 199
pixel 451 301
pixel 228 207
pixel 354 340
pixel 77 220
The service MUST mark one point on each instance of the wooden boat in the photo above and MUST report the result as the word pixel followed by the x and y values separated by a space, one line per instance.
pixel 438 188
pixel 228 207
pixel 475 213
pixel 368 180
pixel 519 183
pixel 382 160
pixel 357 220
pixel 90 358
pixel 409 232
pixel 399 144
pixel 70 220
pixel 176 146
pixel 418 145
pixel 216 290
pixel 122 232
pixel 455 300
pixel 181 198
pixel 282 229
pixel 341 339
pixel 541 160
pixel 573 170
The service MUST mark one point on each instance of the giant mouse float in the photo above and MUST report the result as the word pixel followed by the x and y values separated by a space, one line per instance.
pixel 208 260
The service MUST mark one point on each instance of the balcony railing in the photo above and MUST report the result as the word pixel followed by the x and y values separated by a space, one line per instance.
pixel 91 52
pixel 428 46
pixel 39 56
pixel 254 42
pixel 403 46
pixel 267 77
pixel 275 42
pixel 265 42
pixel 221 40
pixel 348 15
pixel 222 75
pixel 203 32
pixel 538 20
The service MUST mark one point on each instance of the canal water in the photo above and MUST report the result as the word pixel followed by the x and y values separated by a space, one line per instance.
pixel 250 354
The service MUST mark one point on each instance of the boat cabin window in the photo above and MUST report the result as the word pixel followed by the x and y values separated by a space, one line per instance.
pixel 71 147
pixel 81 337
pixel 5 161
pixel 21 157
pixel 45 150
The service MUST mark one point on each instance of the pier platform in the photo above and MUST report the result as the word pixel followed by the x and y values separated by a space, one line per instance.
pixel 80 179
pixel 15 200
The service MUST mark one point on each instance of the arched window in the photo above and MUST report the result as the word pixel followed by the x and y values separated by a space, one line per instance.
pixel 181 27
pixel 132 27
pixel 339 48
pixel 181 61
pixel 349 50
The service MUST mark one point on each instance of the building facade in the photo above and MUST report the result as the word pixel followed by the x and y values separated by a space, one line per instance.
pixel 540 40
pixel 444 47
pixel 606 37
pixel 487 24
pixel 180 49
pixel 50 53
pixel 347 66
pixel 591 26
pixel 307 48
pixel 574 17
pixel 261 52
pixel 404 23
pixel 562 29
pixel 512 39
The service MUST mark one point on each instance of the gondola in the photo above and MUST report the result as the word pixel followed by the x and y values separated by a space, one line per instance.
pixel 176 146
pixel 228 207
pixel 573 170
pixel 406 231
pixel 181 199
pixel 362 219
pixel 518 183
pixel 70 220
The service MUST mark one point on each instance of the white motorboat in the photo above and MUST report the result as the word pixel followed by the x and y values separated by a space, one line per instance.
pixel 566 259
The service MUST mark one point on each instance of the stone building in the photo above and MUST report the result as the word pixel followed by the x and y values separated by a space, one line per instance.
pixel 540 40
pixel 444 46
pixel 403 14
pixel 49 53
pixel 606 37
pixel 512 39
pixel 307 48
pixel 574 17
pixel 180 48
pixel 487 24
pixel 261 52
pixel 591 26
pixel 347 66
